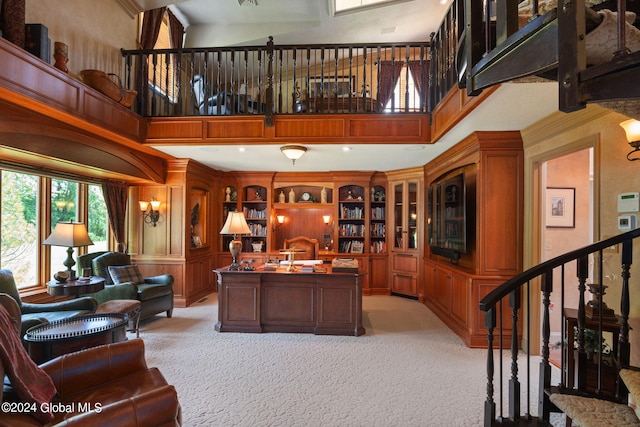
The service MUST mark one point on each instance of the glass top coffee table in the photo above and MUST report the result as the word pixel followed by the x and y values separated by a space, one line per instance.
pixel 49 340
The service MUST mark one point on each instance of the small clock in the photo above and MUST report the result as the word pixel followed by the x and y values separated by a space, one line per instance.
pixel 306 196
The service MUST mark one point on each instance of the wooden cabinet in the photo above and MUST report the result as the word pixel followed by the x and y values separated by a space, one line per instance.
pixel 405 216
pixel 183 243
pixel 463 268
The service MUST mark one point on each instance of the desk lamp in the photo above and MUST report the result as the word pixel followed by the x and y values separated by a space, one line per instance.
pixel 235 224
pixel 70 235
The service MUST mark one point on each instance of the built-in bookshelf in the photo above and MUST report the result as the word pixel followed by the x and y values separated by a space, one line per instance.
pixel 351 219
pixel 378 220
pixel 229 204
pixel 254 208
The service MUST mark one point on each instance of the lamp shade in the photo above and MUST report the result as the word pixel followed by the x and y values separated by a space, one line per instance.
pixel 631 129
pixel 235 224
pixel 293 152
pixel 69 234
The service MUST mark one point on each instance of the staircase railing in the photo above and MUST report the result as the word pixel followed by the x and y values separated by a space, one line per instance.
pixel 274 79
pixel 521 295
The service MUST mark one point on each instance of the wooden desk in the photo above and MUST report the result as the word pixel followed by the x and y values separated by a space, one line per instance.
pixel 280 301
pixel 76 287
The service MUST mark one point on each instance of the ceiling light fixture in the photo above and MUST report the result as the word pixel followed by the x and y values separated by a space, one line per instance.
pixel 253 2
pixel 632 130
pixel 293 152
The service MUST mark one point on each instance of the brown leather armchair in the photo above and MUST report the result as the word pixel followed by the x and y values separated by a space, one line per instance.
pixel 113 377
pixel 310 247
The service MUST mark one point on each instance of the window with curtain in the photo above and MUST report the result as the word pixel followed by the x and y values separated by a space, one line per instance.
pixel 24 198
pixel 161 74
pixel 405 94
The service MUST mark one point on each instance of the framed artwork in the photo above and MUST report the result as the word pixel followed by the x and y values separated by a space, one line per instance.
pixel 196 241
pixel 560 207
pixel 331 86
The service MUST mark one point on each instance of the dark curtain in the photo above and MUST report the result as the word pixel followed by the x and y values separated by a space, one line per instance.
pixel 420 72
pixel 388 76
pixel 176 31
pixel 151 23
pixel 115 195
pixel 12 20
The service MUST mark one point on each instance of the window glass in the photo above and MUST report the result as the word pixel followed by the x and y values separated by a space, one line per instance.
pixel 19 239
pixel 98 224
pixel 64 202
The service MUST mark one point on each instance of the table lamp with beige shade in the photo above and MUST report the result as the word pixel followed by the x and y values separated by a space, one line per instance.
pixel 236 224
pixel 70 235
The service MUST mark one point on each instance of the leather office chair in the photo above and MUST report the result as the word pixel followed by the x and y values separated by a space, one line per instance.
pixel 155 293
pixel 35 314
pixel 310 247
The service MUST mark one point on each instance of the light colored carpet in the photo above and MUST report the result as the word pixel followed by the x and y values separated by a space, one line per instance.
pixel 408 370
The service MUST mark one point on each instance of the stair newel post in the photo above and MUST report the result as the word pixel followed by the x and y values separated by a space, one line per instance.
pixel 489 404
pixel 514 383
pixel 624 347
pixel 544 380
pixel 582 273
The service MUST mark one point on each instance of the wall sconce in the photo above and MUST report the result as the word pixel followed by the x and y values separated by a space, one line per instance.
pixel 326 219
pixel 153 215
pixel 632 130
pixel 280 221
pixel 293 152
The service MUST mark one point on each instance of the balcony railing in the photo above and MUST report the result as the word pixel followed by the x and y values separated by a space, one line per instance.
pixel 270 79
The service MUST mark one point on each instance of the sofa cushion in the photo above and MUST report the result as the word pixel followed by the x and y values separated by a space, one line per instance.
pixel 591 412
pixel 151 291
pixel 125 273
pixel 631 378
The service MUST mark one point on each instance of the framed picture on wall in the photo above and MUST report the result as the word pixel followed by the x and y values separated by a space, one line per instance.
pixel 560 209
pixel 331 86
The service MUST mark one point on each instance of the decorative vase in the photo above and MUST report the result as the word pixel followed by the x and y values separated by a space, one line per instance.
pixel 228 194
pixel 61 55
pixel 292 196
pixel 323 195
pixel 281 197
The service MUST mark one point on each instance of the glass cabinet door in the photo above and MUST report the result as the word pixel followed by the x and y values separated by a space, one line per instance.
pixel 412 218
pixel 405 227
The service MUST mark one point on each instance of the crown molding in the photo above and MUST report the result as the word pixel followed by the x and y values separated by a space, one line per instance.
pixel 131 7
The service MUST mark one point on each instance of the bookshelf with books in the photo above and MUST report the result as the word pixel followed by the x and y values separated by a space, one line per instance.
pixel 255 210
pixel 351 219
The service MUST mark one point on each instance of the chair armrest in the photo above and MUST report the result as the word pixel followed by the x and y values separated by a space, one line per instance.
pixel 162 279
pixel 127 290
pixel 94 366
pixel 83 303
pixel 159 407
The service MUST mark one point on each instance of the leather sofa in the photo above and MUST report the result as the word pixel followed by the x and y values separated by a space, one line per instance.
pixel 155 293
pixel 114 378
pixel 34 314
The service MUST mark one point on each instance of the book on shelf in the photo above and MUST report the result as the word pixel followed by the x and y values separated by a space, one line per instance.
pixel 307 268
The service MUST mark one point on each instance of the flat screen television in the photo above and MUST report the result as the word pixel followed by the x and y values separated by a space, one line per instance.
pixel 446 218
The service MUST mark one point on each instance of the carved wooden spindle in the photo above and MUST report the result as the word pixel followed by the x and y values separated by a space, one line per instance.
pixel 514 383
pixel 268 120
pixel 582 273
pixel 489 404
pixel 624 347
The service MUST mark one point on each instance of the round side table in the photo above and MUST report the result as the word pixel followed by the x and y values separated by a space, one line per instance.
pixel 49 340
